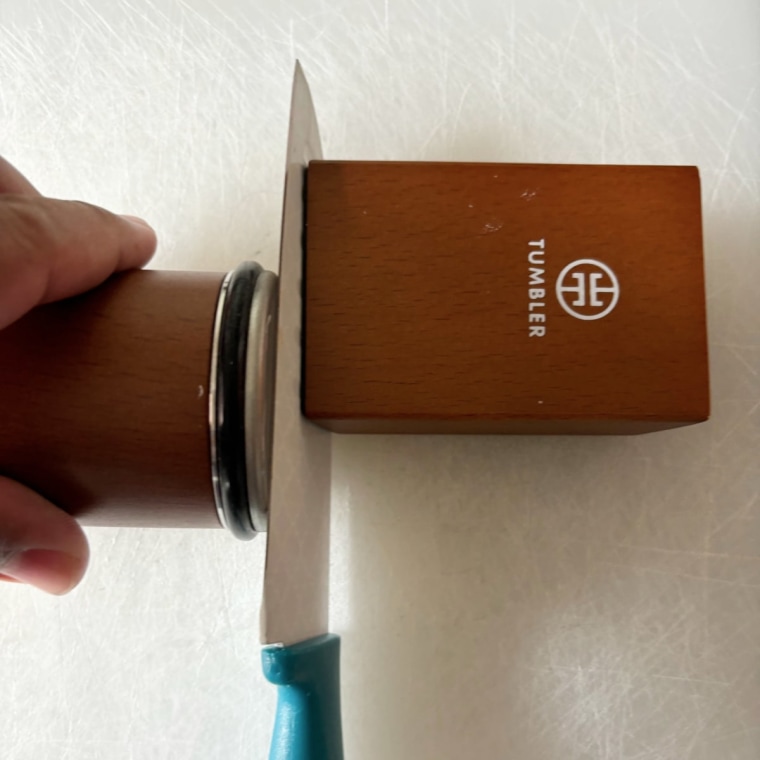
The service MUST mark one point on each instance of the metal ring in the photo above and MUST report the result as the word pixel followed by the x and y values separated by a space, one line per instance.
pixel 261 359
pixel 241 391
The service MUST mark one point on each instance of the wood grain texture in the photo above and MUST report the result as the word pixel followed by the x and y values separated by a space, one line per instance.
pixel 104 401
pixel 417 303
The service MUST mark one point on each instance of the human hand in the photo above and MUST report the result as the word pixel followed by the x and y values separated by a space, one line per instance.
pixel 49 250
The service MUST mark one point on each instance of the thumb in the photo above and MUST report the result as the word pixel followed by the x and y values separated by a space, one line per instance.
pixel 39 544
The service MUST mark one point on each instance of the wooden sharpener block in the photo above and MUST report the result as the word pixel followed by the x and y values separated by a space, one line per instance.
pixel 503 298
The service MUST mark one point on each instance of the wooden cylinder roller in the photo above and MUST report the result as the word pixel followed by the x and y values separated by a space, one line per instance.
pixel 105 398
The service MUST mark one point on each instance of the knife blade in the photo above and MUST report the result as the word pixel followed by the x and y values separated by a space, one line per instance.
pixel 299 655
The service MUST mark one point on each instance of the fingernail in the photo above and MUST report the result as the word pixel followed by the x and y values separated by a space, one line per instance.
pixel 51 571
pixel 136 220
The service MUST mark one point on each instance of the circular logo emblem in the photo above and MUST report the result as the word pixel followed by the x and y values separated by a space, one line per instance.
pixel 587 289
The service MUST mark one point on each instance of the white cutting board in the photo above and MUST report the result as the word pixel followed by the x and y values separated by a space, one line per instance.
pixel 544 599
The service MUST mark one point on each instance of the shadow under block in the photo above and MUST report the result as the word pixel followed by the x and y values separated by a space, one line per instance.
pixel 503 298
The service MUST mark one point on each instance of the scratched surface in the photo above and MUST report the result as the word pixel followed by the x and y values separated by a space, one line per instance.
pixel 541 599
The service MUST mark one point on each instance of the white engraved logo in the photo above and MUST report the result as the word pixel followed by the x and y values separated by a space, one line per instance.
pixel 594 286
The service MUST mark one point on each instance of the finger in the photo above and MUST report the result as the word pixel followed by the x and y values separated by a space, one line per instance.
pixel 13 181
pixel 40 544
pixel 51 249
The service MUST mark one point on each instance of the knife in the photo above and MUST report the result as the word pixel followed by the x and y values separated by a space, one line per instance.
pixel 299 656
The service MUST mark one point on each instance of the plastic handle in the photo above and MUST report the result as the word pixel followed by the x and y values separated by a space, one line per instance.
pixel 307 724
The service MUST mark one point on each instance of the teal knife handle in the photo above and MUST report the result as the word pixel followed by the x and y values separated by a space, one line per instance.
pixel 307 724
